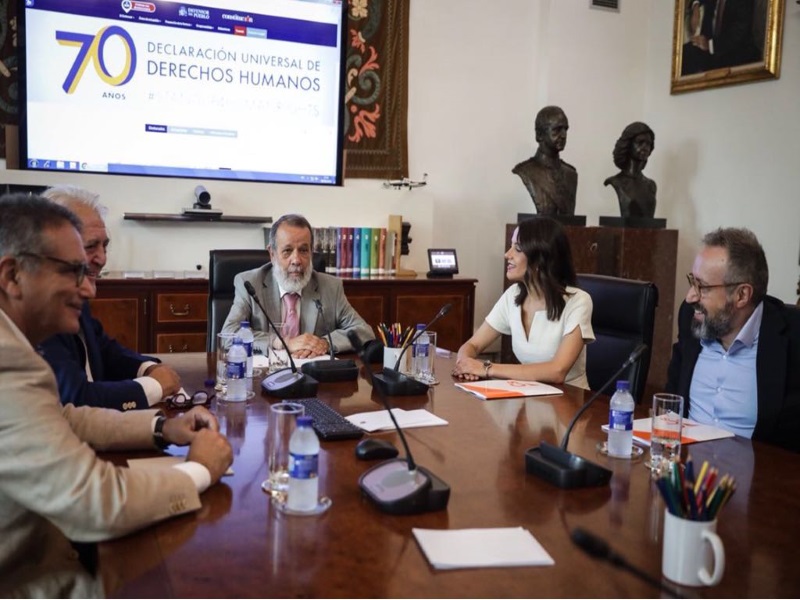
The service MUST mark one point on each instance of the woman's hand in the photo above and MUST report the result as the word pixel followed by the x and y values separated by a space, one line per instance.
pixel 469 369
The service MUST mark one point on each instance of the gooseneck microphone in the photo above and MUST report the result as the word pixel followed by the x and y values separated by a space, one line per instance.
pixel 564 469
pixel 286 383
pixel 599 548
pixel 330 370
pixel 399 486
pixel 394 383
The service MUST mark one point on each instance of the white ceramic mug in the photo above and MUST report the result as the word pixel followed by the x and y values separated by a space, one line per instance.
pixel 390 356
pixel 693 553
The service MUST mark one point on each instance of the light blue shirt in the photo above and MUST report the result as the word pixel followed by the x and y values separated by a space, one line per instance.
pixel 724 390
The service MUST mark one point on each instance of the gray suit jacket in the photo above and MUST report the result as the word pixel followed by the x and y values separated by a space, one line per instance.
pixel 53 487
pixel 337 317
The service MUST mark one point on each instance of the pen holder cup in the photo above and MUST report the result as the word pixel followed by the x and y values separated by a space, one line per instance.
pixel 390 356
pixel 693 553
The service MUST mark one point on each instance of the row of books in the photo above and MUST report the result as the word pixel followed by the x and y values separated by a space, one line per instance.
pixel 358 252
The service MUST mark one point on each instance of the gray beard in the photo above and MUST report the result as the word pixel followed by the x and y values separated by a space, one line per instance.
pixel 713 328
pixel 290 285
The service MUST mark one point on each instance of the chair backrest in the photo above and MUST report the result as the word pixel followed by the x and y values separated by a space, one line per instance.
pixel 623 317
pixel 223 266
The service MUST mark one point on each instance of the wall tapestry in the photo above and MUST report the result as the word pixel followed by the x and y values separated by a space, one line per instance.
pixel 8 69
pixel 376 89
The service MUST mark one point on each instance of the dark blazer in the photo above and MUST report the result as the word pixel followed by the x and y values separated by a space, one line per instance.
pixel 113 368
pixel 777 371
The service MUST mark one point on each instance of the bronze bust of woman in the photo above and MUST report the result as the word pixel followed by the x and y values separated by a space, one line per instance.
pixel 636 193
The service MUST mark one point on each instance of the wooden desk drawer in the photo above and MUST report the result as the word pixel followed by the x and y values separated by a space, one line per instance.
pixel 167 343
pixel 182 308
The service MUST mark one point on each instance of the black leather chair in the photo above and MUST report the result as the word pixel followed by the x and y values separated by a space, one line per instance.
pixel 622 318
pixel 223 266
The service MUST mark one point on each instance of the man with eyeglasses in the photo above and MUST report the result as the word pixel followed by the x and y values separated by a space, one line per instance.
pixel 92 368
pixel 53 487
pixel 737 358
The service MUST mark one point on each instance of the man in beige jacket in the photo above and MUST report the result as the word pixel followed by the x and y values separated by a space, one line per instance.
pixel 53 487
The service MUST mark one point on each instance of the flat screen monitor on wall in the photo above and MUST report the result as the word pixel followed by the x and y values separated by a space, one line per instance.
pixel 223 89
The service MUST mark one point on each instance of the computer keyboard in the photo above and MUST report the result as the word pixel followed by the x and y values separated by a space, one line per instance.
pixel 329 424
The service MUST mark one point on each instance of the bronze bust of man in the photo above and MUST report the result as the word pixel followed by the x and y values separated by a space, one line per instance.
pixel 550 181
pixel 636 193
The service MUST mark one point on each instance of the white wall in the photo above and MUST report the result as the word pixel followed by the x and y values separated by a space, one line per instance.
pixel 479 72
pixel 729 156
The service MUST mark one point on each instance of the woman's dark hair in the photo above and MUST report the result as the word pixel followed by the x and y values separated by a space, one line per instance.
pixel 550 268
pixel 622 149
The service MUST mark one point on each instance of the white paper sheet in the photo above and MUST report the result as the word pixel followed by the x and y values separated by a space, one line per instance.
pixel 379 420
pixel 260 360
pixel 472 548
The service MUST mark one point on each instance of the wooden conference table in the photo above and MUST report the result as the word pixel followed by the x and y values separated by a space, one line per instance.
pixel 238 545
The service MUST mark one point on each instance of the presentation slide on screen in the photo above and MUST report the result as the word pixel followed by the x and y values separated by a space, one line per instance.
pixel 245 90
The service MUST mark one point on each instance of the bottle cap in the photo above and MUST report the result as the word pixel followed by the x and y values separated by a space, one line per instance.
pixel 244 324
pixel 420 326
pixel 623 384
pixel 305 421
pixel 237 340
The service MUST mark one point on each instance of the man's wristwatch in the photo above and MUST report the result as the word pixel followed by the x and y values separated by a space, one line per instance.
pixel 158 433
pixel 487 364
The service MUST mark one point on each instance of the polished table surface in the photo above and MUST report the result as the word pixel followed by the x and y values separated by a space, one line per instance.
pixel 238 545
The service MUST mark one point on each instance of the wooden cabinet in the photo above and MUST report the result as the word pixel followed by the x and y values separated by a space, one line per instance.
pixel 170 315
pixel 410 301
pixel 644 254
pixel 154 315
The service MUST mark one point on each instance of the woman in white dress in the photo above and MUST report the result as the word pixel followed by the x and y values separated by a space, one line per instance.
pixel 548 318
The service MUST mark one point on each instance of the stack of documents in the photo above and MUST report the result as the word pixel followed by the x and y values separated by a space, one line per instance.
pixel 691 432
pixel 471 548
pixel 260 361
pixel 379 420
pixel 494 389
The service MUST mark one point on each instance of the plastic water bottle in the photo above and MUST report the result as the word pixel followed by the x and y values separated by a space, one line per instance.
pixel 236 372
pixel 303 491
pixel 247 341
pixel 620 422
pixel 421 354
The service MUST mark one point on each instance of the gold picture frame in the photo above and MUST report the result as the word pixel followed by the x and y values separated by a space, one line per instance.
pixel 738 44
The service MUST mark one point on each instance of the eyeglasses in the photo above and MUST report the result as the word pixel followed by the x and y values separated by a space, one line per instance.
pixel 78 269
pixel 701 289
pixel 181 400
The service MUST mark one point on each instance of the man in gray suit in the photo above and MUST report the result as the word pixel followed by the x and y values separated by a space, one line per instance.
pixel 288 288
pixel 53 487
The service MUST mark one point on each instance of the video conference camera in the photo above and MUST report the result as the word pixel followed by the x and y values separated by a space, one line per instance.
pixel 201 209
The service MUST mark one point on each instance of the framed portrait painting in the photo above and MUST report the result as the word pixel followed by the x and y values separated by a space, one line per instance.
pixel 723 42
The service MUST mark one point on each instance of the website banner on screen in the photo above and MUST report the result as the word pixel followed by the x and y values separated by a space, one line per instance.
pixel 235 89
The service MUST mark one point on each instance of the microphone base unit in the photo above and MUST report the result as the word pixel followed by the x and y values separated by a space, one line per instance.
pixel 564 469
pixel 395 383
pixel 395 490
pixel 326 371
pixel 289 384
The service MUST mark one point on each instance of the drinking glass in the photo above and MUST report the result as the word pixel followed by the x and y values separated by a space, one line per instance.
pixel 665 435
pixel 427 374
pixel 224 343
pixel 282 420
pixel 276 354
